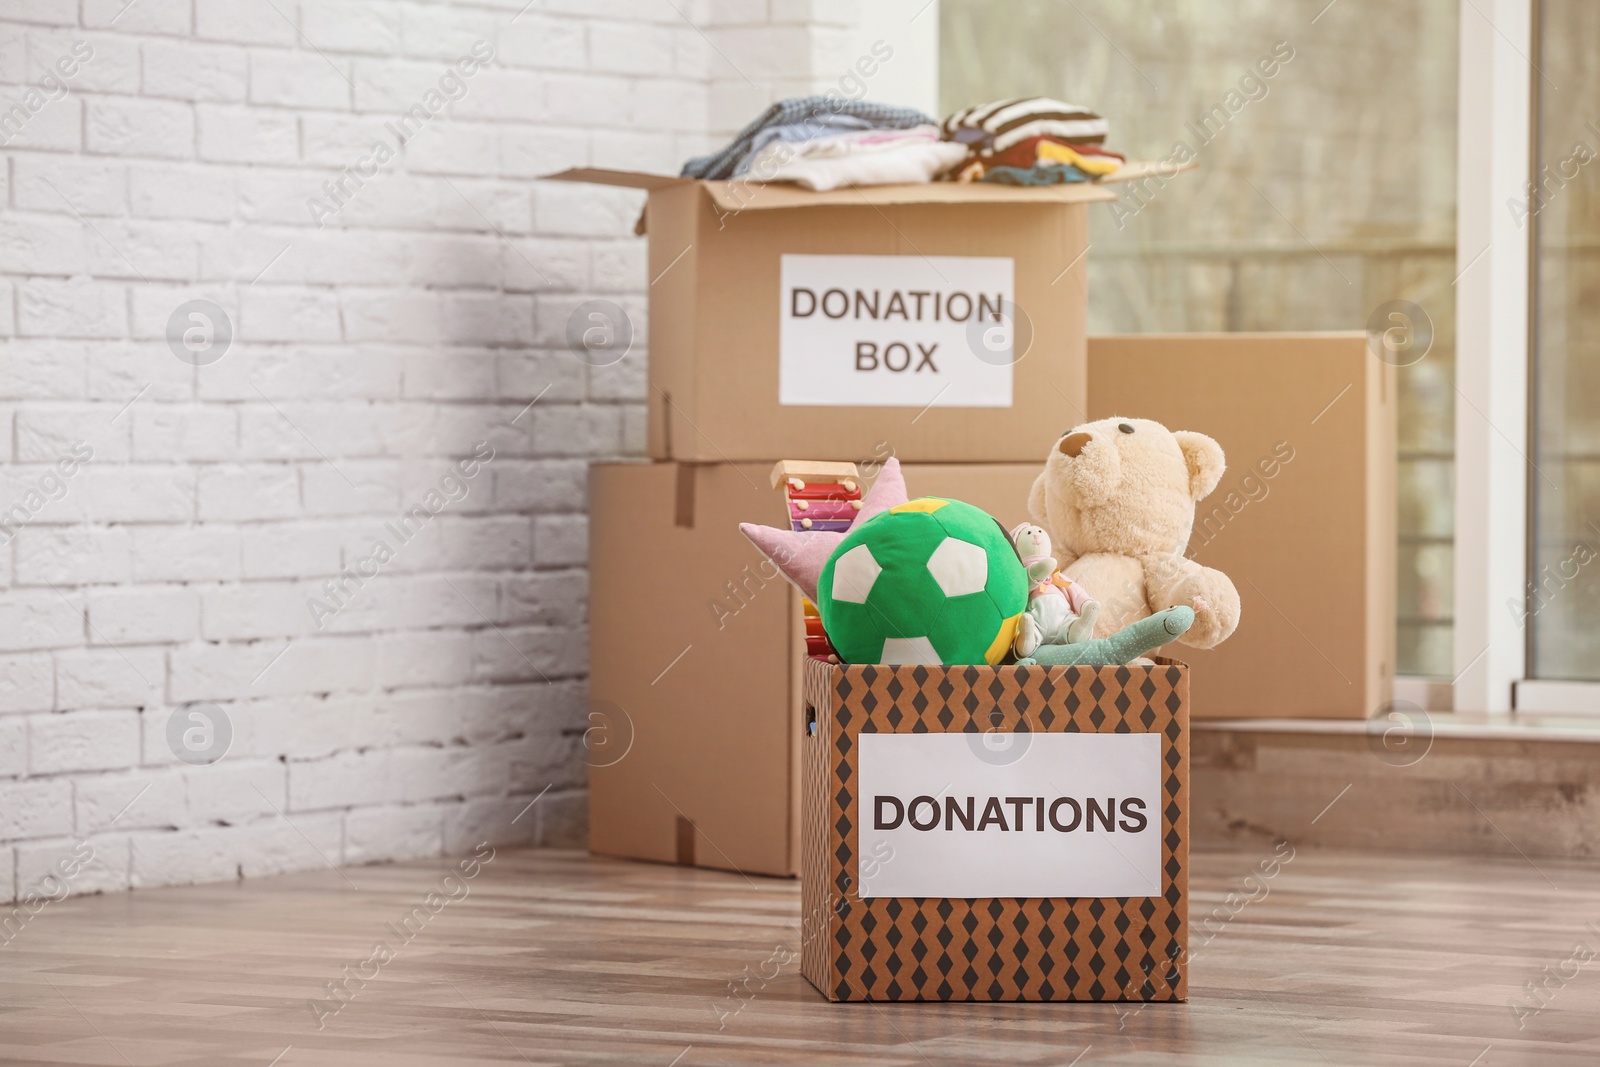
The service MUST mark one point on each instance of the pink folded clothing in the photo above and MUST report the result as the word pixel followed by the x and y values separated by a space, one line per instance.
pixel 843 144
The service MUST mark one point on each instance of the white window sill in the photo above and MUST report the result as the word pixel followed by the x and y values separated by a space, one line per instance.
pixel 1468 727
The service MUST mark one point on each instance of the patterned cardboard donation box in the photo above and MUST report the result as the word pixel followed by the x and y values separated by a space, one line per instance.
pixel 996 833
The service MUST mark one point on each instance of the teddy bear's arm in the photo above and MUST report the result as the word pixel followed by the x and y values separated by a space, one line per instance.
pixel 1175 580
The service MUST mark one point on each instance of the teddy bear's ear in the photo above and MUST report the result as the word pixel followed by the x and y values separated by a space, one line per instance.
pixel 1203 456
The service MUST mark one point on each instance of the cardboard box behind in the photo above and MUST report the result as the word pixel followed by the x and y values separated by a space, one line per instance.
pixel 695 658
pixel 1304 519
pixel 815 325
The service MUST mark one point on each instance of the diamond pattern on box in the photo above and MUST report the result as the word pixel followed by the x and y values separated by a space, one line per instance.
pixel 1111 948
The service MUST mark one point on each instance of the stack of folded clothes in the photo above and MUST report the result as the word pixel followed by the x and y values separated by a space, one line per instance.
pixel 826 143
pixel 1031 141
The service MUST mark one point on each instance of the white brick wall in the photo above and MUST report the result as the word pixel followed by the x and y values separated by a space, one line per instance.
pixel 368 356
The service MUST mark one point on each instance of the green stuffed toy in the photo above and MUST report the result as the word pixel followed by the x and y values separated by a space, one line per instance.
pixel 1131 641
pixel 930 581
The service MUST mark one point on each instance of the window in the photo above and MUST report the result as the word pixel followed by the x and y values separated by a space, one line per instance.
pixel 1330 192
pixel 1563 605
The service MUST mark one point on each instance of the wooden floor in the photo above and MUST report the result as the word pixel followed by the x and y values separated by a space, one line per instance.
pixel 558 958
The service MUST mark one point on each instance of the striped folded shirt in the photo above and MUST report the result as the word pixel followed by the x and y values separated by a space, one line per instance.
pixel 994 127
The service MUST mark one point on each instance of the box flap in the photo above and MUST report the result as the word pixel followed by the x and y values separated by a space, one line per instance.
pixel 628 179
pixel 1144 168
pixel 756 196
pixel 750 196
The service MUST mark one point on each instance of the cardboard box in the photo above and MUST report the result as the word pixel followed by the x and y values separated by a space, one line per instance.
pixel 1082 895
pixel 695 655
pixel 945 319
pixel 1304 519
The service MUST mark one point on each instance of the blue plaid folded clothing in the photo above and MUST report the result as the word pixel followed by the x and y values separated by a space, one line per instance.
pixel 994 127
pixel 799 133
pixel 819 112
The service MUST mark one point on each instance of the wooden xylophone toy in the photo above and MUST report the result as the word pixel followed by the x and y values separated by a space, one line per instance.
pixel 820 496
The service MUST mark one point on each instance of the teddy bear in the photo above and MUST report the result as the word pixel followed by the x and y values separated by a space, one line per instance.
pixel 1118 499
pixel 1059 611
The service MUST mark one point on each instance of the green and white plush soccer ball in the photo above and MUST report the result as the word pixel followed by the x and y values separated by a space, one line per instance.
pixel 931 581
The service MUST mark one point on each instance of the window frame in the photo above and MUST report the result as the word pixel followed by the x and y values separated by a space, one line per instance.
pixel 1497 339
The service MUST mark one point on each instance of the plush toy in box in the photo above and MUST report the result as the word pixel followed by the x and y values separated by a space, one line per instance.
pixel 1118 498
pixel 938 581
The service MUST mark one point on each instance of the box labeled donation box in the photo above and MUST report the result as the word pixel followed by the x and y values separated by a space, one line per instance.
pixel 946 318
pixel 995 833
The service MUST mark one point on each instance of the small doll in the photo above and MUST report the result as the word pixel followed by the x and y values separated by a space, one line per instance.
pixel 1060 612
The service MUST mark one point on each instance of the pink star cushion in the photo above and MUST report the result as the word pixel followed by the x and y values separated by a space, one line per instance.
pixel 801 554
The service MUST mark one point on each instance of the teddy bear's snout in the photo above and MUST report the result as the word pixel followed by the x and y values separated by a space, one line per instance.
pixel 1072 444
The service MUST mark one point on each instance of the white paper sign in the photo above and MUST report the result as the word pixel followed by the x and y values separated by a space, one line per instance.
pixel 896 331
pixel 1009 815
